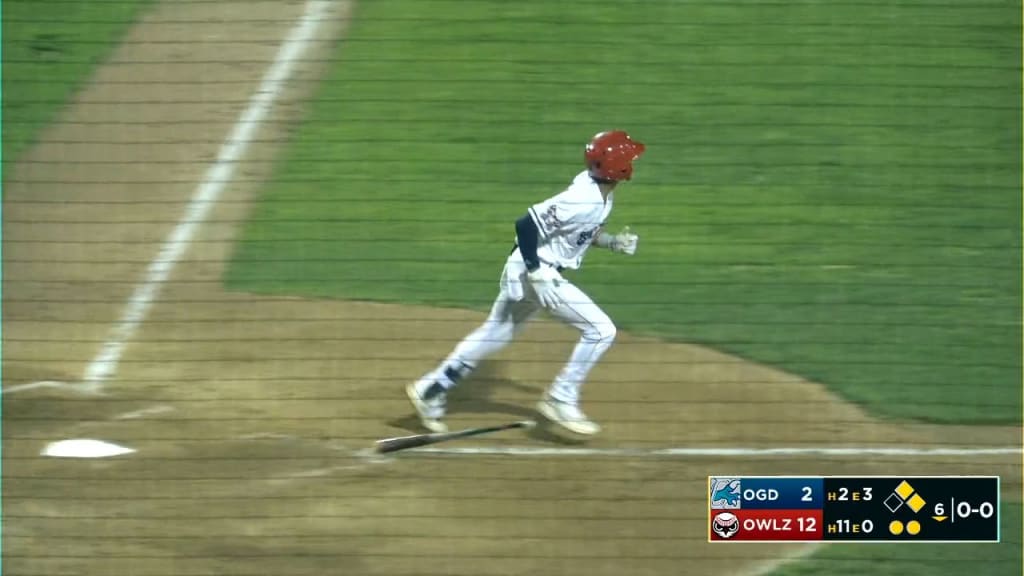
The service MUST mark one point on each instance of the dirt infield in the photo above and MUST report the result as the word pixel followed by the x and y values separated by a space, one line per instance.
pixel 249 414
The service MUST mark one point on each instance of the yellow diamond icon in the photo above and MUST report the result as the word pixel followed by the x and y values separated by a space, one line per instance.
pixel 904 490
pixel 916 503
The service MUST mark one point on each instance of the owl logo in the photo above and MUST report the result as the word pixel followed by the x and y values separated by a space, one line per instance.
pixel 725 524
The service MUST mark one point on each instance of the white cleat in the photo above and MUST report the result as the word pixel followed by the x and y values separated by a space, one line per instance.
pixel 568 416
pixel 429 399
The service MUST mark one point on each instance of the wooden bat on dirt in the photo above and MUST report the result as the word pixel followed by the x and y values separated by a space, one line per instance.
pixel 416 440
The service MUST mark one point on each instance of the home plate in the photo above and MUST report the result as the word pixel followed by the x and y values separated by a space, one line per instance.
pixel 84 448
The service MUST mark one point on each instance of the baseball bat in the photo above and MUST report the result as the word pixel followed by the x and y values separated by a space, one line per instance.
pixel 417 440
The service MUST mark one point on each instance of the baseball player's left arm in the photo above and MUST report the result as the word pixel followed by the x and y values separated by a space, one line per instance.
pixel 624 242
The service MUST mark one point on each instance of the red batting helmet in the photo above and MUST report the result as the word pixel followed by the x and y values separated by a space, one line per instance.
pixel 610 155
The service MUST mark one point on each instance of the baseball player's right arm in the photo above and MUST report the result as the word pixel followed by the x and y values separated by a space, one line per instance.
pixel 543 279
pixel 527 235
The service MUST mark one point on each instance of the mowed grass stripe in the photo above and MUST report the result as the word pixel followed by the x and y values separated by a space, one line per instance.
pixel 832 188
pixel 58 45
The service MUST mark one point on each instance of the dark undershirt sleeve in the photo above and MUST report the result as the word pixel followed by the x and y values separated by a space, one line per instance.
pixel 527 233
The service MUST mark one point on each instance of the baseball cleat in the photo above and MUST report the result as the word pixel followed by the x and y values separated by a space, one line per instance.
pixel 568 416
pixel 429 399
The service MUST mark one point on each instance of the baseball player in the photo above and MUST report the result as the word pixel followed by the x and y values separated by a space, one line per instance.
pixel 554 235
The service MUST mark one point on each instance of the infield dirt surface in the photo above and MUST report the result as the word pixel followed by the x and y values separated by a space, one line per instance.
pixel 250 415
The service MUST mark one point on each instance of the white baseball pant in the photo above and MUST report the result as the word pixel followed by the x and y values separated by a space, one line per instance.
pixel 514 307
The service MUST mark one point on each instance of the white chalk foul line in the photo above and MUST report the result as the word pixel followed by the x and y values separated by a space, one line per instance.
pixel 35 386
pixel 144 412
pixel 769 566
pixel 722 452
pixel 209 190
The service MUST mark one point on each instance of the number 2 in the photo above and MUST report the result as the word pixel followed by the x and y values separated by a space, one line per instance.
pixel 807 494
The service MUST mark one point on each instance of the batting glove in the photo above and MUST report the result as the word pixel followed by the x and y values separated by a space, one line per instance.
pixel 545 282
pixel 624 242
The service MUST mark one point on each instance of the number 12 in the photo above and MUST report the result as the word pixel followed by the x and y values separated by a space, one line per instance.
pixel 807 524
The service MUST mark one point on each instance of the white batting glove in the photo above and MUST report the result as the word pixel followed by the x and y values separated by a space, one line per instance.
pixel 624 242
pixel 545 282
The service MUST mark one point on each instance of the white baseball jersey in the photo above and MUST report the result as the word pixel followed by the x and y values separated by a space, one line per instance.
pixel 569 221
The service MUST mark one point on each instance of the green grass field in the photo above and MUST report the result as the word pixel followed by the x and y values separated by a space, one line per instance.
pixel 1003 559
pixel 832 188
pixel 49 48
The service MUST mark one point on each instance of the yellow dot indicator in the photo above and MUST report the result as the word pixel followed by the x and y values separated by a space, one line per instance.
pixel 896 527
pixel 913 527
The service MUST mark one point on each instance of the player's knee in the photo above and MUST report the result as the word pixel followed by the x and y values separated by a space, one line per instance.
pixel 601 332
pixel 609 332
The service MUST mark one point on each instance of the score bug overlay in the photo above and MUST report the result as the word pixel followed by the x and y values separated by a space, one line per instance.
pixel 853 509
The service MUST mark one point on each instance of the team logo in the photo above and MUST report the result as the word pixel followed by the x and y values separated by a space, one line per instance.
pixel 725 524
pixel 550 217
pixel 725 493
pixel 585 236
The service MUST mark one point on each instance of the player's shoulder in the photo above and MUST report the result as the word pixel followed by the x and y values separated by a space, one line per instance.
pixel 584 183
pixel 582 189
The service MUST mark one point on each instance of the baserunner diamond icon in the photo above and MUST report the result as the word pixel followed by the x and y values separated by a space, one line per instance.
pixel 893 503
pixel 916 503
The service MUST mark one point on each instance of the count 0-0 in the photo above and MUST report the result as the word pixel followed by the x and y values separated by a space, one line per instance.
pixel 964 509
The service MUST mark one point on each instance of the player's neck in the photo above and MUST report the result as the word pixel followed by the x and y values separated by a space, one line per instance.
pixel 606 189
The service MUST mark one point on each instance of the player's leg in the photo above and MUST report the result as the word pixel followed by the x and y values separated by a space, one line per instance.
pixel 506 319
pixel 597 332
pixel 429 394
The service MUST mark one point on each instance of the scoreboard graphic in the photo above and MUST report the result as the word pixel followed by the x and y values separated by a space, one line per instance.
pixel 952 509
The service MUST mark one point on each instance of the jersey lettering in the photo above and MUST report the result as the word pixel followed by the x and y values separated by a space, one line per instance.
pixel 585 237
